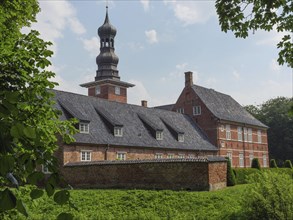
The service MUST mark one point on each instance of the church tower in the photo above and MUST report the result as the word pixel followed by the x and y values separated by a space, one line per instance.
pixel 107 84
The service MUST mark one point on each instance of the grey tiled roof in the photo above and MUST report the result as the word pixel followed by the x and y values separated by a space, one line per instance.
pixel 211 159
pixel 135 133
pixel 165 107
pixel 225 107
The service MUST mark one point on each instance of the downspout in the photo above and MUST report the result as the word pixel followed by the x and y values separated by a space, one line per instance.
pixel 106 151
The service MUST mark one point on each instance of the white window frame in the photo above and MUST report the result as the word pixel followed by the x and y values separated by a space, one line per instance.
pixel 97 90
pixel 223 144
pixel 117 90
pixel 181 156
pixel 180 110
pixel 249 131
pixel 222 128
pixel 121 156
pixel 241 159
pixel 158 156
pixel 159 135
pixel 170 156
pixel 45 169
pixel 118 131
pixel 239 132
pixel 196 110
pixel 251 156
pixel 259 136
pixel 84 127
pixel 264 159
pixel 190 156
pixel 228 132
pixel 230 156
pixel 180 137
pixel 245 134
pixel 85 155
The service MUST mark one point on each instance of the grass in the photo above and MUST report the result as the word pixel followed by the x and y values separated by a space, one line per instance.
pixel 140 204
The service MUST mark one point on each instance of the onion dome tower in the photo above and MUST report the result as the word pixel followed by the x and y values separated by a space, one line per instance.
pixel 107 82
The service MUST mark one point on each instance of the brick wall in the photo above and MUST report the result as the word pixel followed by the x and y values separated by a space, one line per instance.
pixel 175 174
pixel 108 92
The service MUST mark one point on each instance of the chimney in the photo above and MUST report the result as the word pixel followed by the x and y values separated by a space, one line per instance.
pixel 188 79
pixel 144 103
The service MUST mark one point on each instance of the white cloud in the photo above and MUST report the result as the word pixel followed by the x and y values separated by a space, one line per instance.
pixel 192 12
pixel 135 46
pixel 54 18
pixel 92 45
pixel 274 66
pixel 137 93
pixel 152 36
pixel 145 4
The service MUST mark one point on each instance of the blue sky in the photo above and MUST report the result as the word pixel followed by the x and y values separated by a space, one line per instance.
pixel 157 41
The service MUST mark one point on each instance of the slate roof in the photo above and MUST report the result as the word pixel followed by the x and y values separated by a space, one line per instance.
pixel 135 133
pixel 165 107
pixel 225 107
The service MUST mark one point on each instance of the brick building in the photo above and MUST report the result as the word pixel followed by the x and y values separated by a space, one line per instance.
pixel 235 132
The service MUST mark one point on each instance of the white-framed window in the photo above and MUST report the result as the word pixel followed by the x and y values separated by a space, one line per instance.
pixel 170 156
pixel 84 127
pixel 222 144
pixel 181 137
pixel 158 156
pixel 159 135
pixel 197 110
pixel 117 90
pixel 259 136
pixel 222 128
pixel 45 169
pixel 85 155
pixel 229 155
pixel 180 110
pixel 181 156
pixel 98 90
pixel 118 131
pixel 264 159
pixel 245 134
pixel 239 130
pixel 121 156
pixel 190 156
pixel 241 160
pixel 251 158
pixel 228 132
pixel 249 135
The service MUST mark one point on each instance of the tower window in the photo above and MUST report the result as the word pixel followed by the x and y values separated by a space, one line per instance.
pixel 98 90
pixel 117 90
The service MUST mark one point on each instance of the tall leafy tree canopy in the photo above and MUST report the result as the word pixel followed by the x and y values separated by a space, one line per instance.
pixel 241 17
pixel 29 124
pixel 275 114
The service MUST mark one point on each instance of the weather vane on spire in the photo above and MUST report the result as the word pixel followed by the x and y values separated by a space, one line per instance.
pixel 107 3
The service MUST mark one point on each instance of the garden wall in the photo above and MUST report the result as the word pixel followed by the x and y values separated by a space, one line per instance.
pixel 175 174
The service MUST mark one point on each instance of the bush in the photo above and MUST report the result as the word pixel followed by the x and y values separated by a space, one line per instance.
pixel 231 180
pixel 288 164
pixel 243 173
pixel 270 196
pixel 255 163
pixel 273 163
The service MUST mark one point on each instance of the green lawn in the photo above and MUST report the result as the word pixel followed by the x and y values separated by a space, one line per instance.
pixel 141 204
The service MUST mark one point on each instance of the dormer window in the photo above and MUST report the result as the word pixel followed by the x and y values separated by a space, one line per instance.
pixel 98 90
pixel 159 135
pixel 117 90
pixel 118 132
pixel 181 137
pixel 84 127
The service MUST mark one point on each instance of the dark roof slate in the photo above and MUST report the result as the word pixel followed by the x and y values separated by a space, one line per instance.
pixel 135 132
pixel 165 107
pixel 225 107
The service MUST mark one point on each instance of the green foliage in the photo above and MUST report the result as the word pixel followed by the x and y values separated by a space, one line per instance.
pixel 241 17
pixel 274 113
pixel 231 180
pixel 288 164
pixel 29 124
pixel 255 163
pixel 273 163
pixel 270 196
pixel 242 174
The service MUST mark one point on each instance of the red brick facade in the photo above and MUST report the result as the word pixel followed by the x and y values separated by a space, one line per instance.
pixel 193 174
pixel 107 91
pixel 242 149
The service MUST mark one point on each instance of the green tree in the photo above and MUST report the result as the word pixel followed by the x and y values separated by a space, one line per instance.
pixel 231 179
pixel 274 113
pixel 29 124
pixel 288 164
pixel 241 17
pixel 273 163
